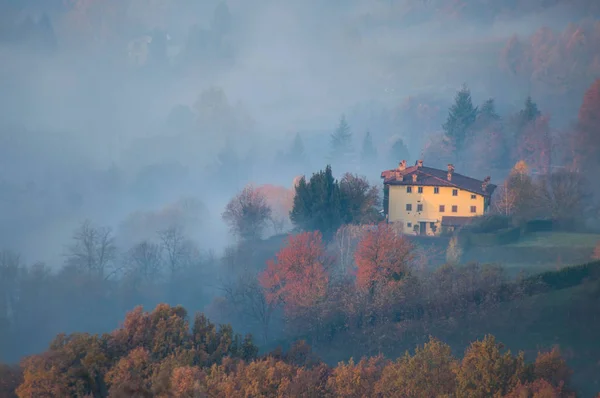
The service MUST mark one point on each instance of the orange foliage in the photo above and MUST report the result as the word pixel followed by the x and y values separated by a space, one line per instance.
pixel 297 277
pixel 280 199
pixel 596 253
pixel 586 139
pixel 382 257
pixel 186 382
pixel 131 375
pixel 558 61
pixel 356 379
pixel 539 388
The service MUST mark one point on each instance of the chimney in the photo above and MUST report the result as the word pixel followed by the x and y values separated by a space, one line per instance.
pixel 450 171
pixel 402 165
pixel 485 183
pixel 419 163
pixel 414 176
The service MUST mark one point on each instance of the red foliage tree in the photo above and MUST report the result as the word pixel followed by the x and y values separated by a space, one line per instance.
pixel 297 277
pixel 382 257
pixel 586 143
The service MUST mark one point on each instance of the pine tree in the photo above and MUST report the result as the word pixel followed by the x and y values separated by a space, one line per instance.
pixel 297 154
pixel 398 152
pixel 341 141
pixel 368 153
pixel 487 111
pixel 460 119
pixel 529 113
pixel 522 123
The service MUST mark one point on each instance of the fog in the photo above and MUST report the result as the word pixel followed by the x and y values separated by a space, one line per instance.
pixel 96 127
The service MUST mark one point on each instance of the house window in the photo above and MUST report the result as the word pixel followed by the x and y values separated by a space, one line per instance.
pixel 419 207
pixel 408 207
pixel 420 189
pixel 408 189
pixel 442 208
pixel 455 192
pixel 409 224
pixel 473 196
pixel 473 209
pixel 436 189
pixel 454 209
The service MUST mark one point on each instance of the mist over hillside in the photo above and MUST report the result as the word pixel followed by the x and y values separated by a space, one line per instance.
pixel 140 125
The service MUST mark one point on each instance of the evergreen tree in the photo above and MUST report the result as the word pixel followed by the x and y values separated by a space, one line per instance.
pixel 341 141
pixel 460 119
pixel 317 204
pixel 297 153
pixel 487 111
pixel 523 122
pixel 368 153
pixel 398 152
pixel 529 113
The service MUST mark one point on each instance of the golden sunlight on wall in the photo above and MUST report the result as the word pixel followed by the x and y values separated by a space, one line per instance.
pixel 427 208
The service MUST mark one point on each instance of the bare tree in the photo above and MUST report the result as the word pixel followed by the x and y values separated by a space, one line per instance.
pixel 278 223
pixel 247 298
pixel 563 196
pixel 93 250
pixel 145 260
pixel 178 250
pixel 247 214
pixel 345 240
pixel 505 200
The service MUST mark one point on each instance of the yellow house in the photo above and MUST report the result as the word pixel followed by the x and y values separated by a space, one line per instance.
pixel 426 200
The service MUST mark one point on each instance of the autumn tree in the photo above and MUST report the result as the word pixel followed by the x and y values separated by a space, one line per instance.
pixel 131 375
pixel 586 139
pixel 247 214
pixel 518 197
pixel 280 200
pixel 357 379
pixel 596 253
pixel 297 278
pixel 382 258
pixel 427 373
pixel 461 116
pixel 486 371
pixel 93 250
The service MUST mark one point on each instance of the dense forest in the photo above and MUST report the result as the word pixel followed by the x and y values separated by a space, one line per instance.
pixel 224 158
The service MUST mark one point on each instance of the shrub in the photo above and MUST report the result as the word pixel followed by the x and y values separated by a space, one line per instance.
pixel 490 223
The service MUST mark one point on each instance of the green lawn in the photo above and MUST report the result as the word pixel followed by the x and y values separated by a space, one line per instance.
pixel 558 239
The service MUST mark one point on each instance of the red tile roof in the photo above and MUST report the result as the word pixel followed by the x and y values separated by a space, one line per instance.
pixel 428 176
